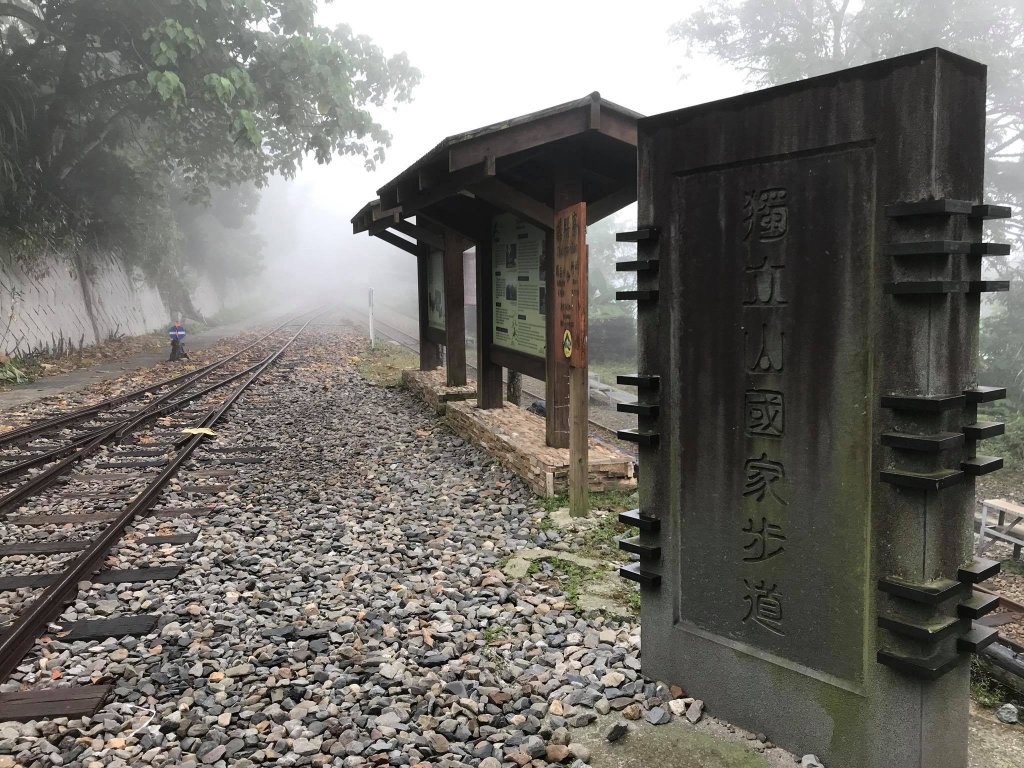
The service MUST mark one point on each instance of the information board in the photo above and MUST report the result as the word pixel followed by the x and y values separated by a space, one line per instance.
pixel 520 292
pixel 435 290
pixel 571 283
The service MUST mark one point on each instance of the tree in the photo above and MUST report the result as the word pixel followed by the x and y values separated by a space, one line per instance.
pixel 776 41
pixel 150 95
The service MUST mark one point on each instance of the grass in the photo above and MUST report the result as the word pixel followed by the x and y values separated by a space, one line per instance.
pixel 495 634
pixel 989 692
pixel 1016 567
pixel 575 576
pixel 614 501
pixel 383 365
pixel 607 372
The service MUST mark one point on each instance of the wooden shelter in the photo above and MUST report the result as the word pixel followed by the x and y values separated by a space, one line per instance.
pixel 453 197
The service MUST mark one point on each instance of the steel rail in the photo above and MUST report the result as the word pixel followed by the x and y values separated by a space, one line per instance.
pixel 86 444
pixel 50 475
pixel 44 425
pixel 34 620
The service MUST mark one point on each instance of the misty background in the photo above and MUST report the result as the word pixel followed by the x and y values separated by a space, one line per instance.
pixel 479 65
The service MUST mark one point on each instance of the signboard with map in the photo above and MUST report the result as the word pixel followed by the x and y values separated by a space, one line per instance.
pixel 435 290
pixel 520 292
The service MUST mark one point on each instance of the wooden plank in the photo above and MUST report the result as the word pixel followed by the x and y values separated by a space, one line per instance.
pixel 203 488
pixel 571 283
pixel 528 365
pixel 570 257
pixel 66 701
pixel 246 449
pixel 85 518
pixel 606 206
pixel 170 513
pixel 104 495
pixel 488 371
pixel 455 308
pixel 140 452
pixel 430 352
pixel 399 242
pixel 138 575
pixel 174 538
pixel 422 234
pixel 452 184
pixel 26 581
pixel 116 626
pixel 579 434
pixel 101 477
pixel 568 192
pixel 240 460
pixel 507 198
pixel 132 464
pixel 42 548
pixel 542 129
pixel 434 335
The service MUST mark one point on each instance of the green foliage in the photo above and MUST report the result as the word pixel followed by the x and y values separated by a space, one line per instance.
pixel 10 373
pixel 112 113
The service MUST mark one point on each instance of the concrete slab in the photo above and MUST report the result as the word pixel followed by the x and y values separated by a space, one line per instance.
pixel 709 744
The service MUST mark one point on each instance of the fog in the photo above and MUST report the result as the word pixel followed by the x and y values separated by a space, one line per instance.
pixel 479 64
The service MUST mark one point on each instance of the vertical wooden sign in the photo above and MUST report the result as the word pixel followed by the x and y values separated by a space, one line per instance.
pixel 571 283
pixel 571 318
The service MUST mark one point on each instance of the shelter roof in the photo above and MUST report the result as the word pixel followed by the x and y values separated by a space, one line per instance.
pixel 512 166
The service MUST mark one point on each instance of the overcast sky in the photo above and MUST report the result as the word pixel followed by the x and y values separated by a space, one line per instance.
pixel 483 62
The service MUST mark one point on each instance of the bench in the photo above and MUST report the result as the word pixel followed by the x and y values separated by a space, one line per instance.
pixel 1001 531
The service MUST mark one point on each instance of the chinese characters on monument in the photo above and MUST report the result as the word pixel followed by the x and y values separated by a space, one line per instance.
pixel 765 224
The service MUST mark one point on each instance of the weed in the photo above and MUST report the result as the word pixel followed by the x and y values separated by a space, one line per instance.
pixel 495 634
pixel 383 365
pixel 987 691
pixel 1016 567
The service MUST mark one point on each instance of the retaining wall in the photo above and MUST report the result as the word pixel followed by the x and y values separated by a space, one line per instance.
pixel 52 302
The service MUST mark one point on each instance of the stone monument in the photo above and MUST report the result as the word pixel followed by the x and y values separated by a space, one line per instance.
pixel 809 282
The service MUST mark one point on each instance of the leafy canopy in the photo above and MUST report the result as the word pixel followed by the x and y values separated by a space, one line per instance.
pixel 154 98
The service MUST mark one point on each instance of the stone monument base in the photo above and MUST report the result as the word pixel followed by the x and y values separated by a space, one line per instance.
pixel 432 388
pixel 516 438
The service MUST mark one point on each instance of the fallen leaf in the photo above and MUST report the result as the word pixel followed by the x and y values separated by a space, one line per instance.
pixel 198 431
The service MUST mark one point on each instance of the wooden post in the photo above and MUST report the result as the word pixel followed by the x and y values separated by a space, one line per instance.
pixel 570 322
pixel 568 191
pixel 514 391
pixel 454 308
pixel 430 353
pixel 488 375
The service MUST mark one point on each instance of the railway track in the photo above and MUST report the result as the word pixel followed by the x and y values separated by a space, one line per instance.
pixel 78 487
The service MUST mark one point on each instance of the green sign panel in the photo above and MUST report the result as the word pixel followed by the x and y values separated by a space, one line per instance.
pixel 435 290
pixel 520 294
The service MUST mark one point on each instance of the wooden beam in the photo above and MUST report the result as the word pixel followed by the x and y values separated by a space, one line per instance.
pixel 421 234
pixel 385 222
pixel 430 353
pixel 517 138
pixel 568 191
pixel 452 185
pixel 609 204
pixel 455 308
pixel 501 195
pixel 399 242
pixel 488 372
